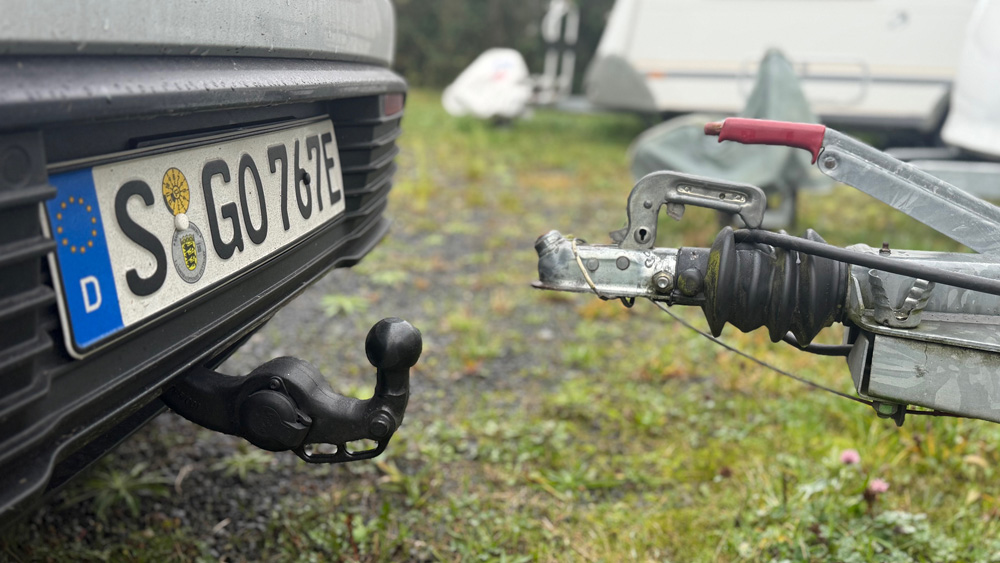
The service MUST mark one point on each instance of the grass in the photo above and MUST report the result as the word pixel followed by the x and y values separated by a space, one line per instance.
pixel 244 462
pixel 559 427
pixel 336 304
pixel 112 488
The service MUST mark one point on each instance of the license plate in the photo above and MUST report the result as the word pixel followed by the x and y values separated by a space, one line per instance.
pixel 136 237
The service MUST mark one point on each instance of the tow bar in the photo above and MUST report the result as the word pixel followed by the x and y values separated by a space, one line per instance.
pixel 923 326
pixel 286 404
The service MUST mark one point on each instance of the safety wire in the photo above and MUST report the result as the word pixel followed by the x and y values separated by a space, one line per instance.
pixel 627 302
pixel 753 359
pixel 771 367
pixel 790 375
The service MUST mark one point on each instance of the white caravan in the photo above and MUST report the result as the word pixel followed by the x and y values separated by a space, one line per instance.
pixel 862 62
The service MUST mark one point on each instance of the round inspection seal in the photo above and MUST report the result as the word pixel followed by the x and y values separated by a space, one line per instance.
pixel 188 253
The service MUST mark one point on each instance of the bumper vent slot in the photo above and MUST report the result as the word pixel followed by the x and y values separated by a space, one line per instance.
pixel 23 297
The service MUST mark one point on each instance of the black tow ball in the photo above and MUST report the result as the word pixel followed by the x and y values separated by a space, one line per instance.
pixel 286 404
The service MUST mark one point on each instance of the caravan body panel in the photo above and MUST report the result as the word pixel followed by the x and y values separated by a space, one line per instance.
pixel 863 61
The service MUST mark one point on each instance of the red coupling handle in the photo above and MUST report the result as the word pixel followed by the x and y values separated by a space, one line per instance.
pixel 808 136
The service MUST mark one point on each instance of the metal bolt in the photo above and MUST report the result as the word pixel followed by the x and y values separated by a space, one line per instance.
pixel 886 408
pixel 593 264
pixel 381 425
pixel 647 204
pixel 663 282
pixel 894 411
pixel 830 162
pixel 885 250
pixel 622 262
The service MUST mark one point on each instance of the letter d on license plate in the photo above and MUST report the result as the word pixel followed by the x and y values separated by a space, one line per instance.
pixel 136 237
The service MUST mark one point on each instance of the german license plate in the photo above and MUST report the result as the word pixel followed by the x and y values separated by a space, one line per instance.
pixel 136 237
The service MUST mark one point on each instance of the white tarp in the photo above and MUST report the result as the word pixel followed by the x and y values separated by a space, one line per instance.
pixel 495 86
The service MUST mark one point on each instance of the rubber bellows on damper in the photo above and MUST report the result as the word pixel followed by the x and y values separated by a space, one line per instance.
pixel 754 285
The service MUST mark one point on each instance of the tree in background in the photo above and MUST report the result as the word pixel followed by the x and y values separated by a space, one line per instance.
pixel 437 39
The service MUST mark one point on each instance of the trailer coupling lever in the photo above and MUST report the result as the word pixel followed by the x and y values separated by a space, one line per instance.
pixel 286 404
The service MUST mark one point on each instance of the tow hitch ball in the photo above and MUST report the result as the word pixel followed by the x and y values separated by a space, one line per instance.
pixel 286 404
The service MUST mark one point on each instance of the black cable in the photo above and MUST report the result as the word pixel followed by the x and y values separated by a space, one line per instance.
pixel 901 267
pixel 818 349
pixel 934 413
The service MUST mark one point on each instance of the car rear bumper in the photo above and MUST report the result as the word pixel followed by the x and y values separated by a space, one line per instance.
pixel 357 30
pixel 58 414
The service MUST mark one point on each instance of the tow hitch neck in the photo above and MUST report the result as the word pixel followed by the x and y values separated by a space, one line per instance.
pixel 286 404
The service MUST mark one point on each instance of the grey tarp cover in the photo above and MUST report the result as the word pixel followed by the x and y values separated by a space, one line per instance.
pixel 680 144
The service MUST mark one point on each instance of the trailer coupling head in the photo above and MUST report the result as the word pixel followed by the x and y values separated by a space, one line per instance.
pixel 286 403
pixel 746 285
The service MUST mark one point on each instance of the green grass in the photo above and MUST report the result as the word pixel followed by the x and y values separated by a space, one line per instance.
pixel 111 487
pixel 559 427
pixel 630 438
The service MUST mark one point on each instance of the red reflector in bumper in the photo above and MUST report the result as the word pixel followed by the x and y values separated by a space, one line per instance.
pixel 392 104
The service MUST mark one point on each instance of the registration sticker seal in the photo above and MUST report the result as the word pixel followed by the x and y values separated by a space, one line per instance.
pixel 187 249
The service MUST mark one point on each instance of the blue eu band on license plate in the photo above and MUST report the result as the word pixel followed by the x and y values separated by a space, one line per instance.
pixel 136 237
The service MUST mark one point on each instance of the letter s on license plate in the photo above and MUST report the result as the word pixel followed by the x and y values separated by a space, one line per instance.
pixel 136 237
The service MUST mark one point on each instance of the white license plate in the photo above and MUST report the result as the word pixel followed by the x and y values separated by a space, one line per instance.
pixel 136 237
